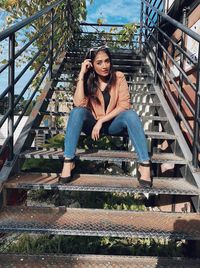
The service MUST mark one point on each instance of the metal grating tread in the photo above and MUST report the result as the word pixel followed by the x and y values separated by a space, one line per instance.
pixel 139 74
pixel 117 65
pixel 100 222
pixel 143 93
pixel 70 102
pixel 135 105
pixel 101 183
pixel 146 105
pixel 143 118
pixel 101 155
pixel 132 73
pixel 93 261
pixel 149 134
pixel 142 82
pixel 122 61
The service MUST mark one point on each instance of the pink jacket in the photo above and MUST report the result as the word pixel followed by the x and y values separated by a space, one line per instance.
pixel 119 96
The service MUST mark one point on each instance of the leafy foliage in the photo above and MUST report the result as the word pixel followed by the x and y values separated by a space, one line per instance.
pixel 40 244
pixel 21 9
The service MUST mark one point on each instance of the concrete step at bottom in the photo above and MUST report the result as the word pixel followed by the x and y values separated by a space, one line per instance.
pixel 99 222
pixel 93 261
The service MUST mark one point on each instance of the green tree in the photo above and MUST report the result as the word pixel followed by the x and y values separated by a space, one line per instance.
pixel 21 9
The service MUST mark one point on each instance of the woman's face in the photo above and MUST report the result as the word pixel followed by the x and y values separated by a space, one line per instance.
pixel 102 64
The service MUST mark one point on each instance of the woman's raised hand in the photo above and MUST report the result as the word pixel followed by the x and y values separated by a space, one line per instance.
pixel 85 66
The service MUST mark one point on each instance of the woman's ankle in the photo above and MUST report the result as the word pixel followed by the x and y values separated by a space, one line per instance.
pixel 145 172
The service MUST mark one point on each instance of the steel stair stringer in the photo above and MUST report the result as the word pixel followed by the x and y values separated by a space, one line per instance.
pixel 34 119
pixel 192 174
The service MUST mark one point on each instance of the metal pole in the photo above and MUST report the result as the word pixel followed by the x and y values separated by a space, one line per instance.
pixel 182 61
pixel 146 23
pixel 197 116
pixel 164 6
pixel 51 45
pixel 11 94
pixel 141 26
pixel 157 52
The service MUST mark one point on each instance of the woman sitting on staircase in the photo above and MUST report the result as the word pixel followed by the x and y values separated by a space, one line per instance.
pixel 102 106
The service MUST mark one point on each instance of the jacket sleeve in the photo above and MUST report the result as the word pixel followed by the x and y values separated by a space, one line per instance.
pixel 123 91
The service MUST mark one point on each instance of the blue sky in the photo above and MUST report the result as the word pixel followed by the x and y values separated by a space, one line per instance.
pixel 114 11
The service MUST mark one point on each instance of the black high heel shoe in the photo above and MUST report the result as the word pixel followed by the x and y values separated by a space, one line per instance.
pixel 145 183
pixel 68 178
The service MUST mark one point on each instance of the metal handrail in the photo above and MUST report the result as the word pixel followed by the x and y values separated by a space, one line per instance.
pixel 174 62
pixel 46 63
pixel 101 25
pixel 174 22
pixel 150 33
pixel 177 88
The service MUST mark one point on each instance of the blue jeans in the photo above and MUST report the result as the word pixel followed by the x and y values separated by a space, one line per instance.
pixel 81 119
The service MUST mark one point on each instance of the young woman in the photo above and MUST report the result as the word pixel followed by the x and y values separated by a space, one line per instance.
pixel 102 105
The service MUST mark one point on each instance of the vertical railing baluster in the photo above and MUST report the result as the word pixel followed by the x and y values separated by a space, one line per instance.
pixel 146 24
pixel 51 45
pixel 141 26
pixel 182 61
pixel 164 6
pixel 11 94
pixel 156 52
pixel 197 115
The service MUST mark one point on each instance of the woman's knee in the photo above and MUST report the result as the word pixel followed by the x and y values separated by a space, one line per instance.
pixel 130 116
pixel 78 112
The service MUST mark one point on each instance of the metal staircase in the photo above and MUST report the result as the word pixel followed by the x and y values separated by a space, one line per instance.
pixel 174 178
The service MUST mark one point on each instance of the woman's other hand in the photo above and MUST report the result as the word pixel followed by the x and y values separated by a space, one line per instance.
pixel 96 130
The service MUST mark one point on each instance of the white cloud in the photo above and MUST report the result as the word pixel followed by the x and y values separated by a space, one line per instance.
pixel 121 11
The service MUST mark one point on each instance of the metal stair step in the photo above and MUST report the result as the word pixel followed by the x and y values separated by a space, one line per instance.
pixel 116 60
pixel 144 105
pixel 60 89
pixel 143 118
pixel 143 93
pixel 149 134
pixel 118 67
pixel 139 74
pixel 101 183
pixel 68 100
pixel 133 73
pixel 100 222
pixel 143 82
pixel 140 102
pixel 93 261
pixel 100 155
pixel 115 54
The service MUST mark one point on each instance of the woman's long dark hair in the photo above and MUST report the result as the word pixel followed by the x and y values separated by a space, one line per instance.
pixel 91 78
